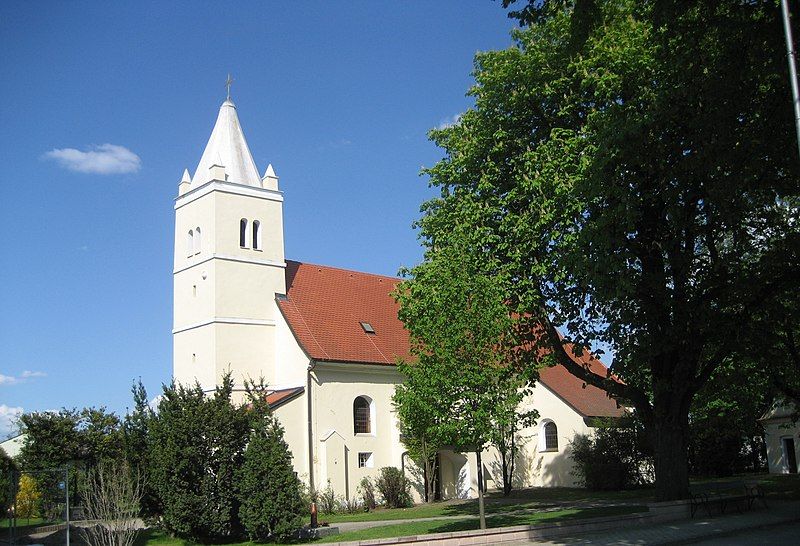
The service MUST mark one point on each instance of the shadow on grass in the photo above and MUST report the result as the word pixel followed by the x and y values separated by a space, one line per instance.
pixel 503 520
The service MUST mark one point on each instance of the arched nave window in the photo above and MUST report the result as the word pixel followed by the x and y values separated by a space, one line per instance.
pixel 362 415
pixel 549 435
pixel 190 243
pixel 256 235
pixel 197 241
pixel 243 233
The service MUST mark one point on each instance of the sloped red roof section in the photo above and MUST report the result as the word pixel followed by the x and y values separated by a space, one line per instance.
pixel 325 307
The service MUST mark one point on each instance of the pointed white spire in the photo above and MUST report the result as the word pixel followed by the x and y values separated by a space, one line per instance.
pixel 270 179
pixel 186 180
pixel 227 148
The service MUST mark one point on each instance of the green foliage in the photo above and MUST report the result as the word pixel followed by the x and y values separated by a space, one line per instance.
pixel 328 504
pixel 135 431
pixel 196 445
pixel 725 434
pixel 68 438
pixel 393 486
pixel 8 481
pixel 271 507
pixel 367 491
pixel 29 497
pixel 466 384
pixel 614 457
pixel 630 166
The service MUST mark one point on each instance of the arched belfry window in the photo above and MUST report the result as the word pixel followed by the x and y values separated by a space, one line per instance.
pixel 362 416
pixel 243 233
pixel 550 436
pixel 197 241
pixel 190 243
pixel 256 235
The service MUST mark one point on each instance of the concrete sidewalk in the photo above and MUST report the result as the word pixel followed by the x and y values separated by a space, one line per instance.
pixel 689 531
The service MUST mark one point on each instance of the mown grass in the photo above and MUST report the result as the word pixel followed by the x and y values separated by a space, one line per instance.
pixel 500 520
pixel 157 538
pixel 32 522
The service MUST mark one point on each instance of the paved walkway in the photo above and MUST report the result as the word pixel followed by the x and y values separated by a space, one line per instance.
pixel 694 531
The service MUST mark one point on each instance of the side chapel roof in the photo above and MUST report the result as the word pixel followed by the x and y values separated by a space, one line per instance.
pixel 325 308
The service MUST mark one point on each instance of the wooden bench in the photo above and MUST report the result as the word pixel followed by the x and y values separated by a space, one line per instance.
pixel 724 493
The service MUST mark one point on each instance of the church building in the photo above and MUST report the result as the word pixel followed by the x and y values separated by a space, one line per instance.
pixel 325 339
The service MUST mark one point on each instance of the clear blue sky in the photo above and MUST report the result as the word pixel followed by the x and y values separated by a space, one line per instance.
pixel 338 96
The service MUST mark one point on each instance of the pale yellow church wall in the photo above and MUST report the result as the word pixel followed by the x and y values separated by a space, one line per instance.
pixel 534 466
pixel 231 208
pixel 335 388
pixel 190 216
pixel 292 366
pixel 247 290
pixel 246 349
pixel 193 357
pixel 193 295
pixel 292 415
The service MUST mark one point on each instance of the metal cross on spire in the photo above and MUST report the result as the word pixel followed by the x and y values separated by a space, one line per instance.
pixel 228 83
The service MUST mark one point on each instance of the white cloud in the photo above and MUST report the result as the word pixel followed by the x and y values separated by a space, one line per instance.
pixel 103 159
pixel 8 419
pixel 24 376
pixel 449 122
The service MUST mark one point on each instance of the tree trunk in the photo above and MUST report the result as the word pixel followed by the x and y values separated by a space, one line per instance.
pixel 671 459
pixel 481 511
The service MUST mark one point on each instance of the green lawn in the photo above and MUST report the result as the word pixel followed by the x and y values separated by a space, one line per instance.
pixel 33 522
pixel 502 520
pixel 523 499
pixel 156 538
pixel 775 485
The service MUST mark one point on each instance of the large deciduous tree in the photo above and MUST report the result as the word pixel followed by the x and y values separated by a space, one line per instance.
pixel 627 166
pixel 465 385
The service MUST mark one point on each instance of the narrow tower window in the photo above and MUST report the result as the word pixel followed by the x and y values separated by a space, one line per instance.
pixel 197 241
pixel 190 243
pixel 256 235
pixel 243 233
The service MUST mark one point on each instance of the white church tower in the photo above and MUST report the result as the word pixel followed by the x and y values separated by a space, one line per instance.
pixel 229 262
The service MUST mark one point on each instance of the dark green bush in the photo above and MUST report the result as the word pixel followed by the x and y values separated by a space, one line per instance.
pixel 196 446
pixel 615 457
pixel 393 487
pixel 269 491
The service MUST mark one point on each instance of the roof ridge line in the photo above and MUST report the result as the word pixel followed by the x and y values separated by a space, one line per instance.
pixel 347 270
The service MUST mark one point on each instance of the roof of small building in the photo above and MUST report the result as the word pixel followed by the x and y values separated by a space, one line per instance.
pixel 339 315
pixel 278 397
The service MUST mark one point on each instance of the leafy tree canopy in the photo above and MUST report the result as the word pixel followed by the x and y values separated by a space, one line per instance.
pixel 628 166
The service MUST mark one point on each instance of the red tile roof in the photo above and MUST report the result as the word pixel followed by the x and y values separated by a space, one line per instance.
pixel 276 398
pixel 324 307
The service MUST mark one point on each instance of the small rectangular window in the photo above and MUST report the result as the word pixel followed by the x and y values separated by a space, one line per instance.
pixel 365 460
pixel 368 327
